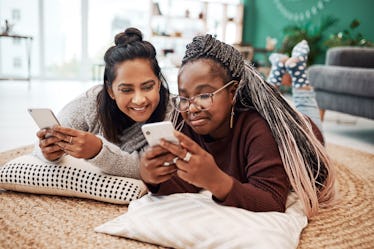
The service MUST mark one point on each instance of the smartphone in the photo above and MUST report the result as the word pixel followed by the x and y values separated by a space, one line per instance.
pixel 153 132
pixel 43 117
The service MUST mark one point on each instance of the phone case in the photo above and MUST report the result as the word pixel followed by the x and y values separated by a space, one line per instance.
pixel 153 132
pixel 43 117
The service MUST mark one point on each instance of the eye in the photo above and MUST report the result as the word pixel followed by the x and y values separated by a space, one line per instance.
pixel 148 87
pixel 126 90
pixel 183 100
pixel 204 96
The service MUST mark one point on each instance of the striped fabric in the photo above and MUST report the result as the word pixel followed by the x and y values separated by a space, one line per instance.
pixel 196 221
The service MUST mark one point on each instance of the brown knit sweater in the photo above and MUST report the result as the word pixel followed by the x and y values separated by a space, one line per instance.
pixel 249 154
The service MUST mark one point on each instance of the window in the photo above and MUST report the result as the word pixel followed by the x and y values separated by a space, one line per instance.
pixel 23 16
pixel 107 18
pixel 17 62
pixel 16 14
pixel 62 39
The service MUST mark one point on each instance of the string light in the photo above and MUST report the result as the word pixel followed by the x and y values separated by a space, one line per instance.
pixel 300 15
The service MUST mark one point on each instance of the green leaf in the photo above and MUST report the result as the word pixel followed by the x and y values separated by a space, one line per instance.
pixel 354 24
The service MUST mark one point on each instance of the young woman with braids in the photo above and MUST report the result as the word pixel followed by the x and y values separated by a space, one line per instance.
pixel 239 138
pixel 103 125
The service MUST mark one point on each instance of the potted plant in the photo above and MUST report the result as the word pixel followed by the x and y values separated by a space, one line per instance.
pixel 313 34
pixel 348 37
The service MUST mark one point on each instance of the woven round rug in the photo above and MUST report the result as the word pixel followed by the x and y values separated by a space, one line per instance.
pixel 41 221
pixel 350 222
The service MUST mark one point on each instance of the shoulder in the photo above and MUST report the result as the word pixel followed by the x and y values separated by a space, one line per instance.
pixel 251 119
pixel 253 130
pixel 86 99
pixel 83 106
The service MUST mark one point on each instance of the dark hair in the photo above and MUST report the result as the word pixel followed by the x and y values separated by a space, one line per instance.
pixel 129 45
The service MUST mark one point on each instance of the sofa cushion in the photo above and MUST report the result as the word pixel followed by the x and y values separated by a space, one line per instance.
pixel 354 105
pixel 345 80
pixel 350 57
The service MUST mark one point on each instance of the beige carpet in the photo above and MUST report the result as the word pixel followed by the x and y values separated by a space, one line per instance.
pixel 34 221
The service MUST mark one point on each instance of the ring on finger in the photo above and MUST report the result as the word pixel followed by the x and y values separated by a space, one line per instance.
pixel 71 140
pixel 166 164
pixel 187 157
pixel 174 161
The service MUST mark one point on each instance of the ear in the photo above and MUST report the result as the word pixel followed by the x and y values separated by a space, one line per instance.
pixel 110 92
pixel 233 90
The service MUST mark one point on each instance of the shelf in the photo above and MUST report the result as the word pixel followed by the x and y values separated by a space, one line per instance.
pixel 173 23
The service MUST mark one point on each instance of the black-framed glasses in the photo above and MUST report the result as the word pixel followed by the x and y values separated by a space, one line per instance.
pixel 202 101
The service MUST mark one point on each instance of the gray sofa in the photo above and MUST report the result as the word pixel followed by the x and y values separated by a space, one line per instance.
pixel 346 82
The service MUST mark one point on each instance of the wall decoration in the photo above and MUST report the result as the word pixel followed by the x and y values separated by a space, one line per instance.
pixel 298 10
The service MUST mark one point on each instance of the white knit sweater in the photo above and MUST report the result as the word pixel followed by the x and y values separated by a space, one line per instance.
pixel 122 160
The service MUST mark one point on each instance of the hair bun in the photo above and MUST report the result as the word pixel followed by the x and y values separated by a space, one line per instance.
pixel 128 36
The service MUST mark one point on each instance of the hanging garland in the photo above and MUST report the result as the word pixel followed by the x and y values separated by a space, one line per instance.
pixel 300 15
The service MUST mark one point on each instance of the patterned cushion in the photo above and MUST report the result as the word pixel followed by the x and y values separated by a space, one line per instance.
pixel 196 221
pixel 69 177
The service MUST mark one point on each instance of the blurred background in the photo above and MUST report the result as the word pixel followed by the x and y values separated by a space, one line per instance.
pixel 51 50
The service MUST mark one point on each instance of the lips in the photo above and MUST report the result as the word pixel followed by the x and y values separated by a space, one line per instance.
pixel 198 121
pixel 138 108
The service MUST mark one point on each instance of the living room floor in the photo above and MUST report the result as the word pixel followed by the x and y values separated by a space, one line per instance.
pixel 18 129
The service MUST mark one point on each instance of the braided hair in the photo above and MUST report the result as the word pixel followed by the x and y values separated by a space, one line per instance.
pixel 129 45
pixel 305 159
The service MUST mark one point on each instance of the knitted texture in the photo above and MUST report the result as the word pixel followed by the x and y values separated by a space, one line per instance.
pixel 115 159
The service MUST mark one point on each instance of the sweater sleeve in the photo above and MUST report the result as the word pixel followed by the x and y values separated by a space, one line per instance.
pixel 265 185
pixel 114 161
pixel 172 186
pixel 80 114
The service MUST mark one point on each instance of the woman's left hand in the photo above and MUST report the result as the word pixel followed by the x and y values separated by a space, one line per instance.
pixel 77 143
pixel 196 166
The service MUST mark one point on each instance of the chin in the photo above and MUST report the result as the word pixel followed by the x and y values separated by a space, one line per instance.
pixel 140 118
pixel 201 130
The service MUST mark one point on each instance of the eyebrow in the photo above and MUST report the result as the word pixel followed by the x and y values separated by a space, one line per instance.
pixel 131 84
pixel 197 89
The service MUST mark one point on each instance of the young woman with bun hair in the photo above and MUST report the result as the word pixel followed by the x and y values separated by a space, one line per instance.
pixel 103 125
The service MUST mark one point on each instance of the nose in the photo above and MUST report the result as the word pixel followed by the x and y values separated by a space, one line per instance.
pixel 192 108
pixel 138 98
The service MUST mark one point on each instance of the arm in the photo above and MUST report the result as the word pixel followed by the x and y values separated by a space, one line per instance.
pixel 264 185
pixel 248 173
pixel 79 114
pixel 114 161
pixel 80 117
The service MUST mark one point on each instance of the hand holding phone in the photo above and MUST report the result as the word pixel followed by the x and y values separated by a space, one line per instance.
pixel 154 132
pixel 45 118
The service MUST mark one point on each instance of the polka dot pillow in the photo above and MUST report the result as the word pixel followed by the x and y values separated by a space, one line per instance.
pixel 70 177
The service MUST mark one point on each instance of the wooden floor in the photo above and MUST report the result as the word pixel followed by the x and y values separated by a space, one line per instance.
pixel 18 129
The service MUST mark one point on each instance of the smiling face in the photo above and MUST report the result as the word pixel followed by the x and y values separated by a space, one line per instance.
pixel 136 89
pixel 199 77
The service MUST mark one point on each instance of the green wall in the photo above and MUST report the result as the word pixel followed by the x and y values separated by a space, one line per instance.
pixel 263 18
